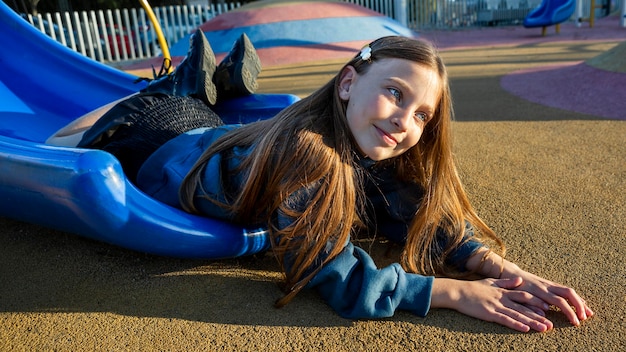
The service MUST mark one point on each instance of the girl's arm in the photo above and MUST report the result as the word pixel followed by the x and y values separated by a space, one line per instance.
pixel 550 293
pixel 351 283
pixel 355 288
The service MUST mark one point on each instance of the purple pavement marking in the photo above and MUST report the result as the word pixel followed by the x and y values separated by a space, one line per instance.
pixel 574 87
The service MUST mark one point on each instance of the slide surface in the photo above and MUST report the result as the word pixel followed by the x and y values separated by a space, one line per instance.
pixel 44 86
pixel 550 12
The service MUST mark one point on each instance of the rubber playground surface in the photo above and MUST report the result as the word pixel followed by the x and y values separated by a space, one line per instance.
pixel 539 139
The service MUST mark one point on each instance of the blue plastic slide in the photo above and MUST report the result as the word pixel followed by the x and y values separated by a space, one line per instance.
pixel 43 86
pixel 550 12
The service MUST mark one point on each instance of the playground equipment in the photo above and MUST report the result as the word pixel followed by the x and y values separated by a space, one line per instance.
pixel 549 13
pixel 44 86
pixel 295 25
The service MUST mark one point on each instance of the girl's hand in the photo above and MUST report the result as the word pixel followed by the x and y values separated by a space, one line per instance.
pixel 495 300
pixel 566 299
pixel 549 293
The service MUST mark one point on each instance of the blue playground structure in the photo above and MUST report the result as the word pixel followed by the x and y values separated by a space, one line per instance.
pixel 549 13
pixel 44 86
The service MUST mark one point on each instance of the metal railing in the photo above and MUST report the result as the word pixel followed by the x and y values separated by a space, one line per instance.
pixel 449 14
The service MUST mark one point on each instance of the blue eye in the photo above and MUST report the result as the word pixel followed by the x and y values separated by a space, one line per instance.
pixel 421 116
pixel 396 93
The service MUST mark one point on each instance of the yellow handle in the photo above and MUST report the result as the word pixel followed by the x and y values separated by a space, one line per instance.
pixel 167 59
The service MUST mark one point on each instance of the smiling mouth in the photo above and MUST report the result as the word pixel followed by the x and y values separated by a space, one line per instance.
pixel 386 137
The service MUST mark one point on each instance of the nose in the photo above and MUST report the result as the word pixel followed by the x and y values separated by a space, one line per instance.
pixel 401 120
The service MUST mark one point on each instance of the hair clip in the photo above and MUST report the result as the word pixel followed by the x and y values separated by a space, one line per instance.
pixel 366 53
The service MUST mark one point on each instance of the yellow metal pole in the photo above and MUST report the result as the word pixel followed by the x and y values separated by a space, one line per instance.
pixel 167 58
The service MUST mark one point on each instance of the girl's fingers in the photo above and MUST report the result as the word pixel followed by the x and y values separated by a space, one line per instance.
pixel 530 301
pixel 568 301
pixel 547 293
pixel 511 323
pixel 509 284
pixel 529 309
pixel 537 310
pixel 590 313
pixel 524 319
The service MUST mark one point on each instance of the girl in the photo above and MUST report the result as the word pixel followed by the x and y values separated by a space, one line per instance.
pixel 368 152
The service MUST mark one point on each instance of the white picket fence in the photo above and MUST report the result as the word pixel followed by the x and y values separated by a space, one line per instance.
pixel 127 34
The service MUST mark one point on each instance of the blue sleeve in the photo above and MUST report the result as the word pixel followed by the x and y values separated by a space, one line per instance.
pixel 355 288
pixel 352 284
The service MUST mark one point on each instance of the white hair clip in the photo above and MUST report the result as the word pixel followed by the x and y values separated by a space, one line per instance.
pixel 366 53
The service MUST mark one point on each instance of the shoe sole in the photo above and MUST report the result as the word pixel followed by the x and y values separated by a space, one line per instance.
pixel 204 79
pixel 249 68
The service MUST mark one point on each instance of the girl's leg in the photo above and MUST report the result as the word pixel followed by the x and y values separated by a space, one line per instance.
pixel 236 77
pixel 192 77
pixel 72 133
pixel 135 127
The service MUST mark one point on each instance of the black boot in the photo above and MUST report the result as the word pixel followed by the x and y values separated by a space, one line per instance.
pixel 236 75
pixel 193 76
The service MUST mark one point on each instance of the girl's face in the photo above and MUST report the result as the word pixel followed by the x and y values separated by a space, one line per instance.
pixel 389 105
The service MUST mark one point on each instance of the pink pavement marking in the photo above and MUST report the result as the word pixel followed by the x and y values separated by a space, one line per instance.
pixel 285 12
pixel 281 55
pixel 604 29
pixel 574 87
pixel 319 52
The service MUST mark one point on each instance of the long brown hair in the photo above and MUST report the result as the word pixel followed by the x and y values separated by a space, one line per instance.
pixel 306 154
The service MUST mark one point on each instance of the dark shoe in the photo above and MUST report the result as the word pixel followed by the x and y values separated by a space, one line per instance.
pixel 193 76
pixel 236 75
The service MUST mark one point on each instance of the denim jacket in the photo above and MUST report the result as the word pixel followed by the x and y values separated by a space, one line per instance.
pixel 350 283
